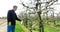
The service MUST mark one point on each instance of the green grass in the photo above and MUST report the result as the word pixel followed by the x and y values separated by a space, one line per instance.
pixel 19 28
pixel 51 29
pixel 47 28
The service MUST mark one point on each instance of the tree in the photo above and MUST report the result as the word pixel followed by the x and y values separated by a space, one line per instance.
pixel 39 11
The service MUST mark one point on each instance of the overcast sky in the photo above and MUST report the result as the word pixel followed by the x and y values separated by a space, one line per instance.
pixel 6 5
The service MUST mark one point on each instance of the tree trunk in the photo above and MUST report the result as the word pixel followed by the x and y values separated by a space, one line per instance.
pixel 41 27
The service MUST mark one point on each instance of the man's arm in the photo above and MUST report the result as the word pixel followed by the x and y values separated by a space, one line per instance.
pixel 17 18
pixel 8 17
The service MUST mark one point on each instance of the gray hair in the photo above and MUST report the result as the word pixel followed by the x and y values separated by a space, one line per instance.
pixel 14 6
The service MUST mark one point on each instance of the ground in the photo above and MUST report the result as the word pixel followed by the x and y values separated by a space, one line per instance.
pixel 3 25
pixel 19 27
pixel 22 28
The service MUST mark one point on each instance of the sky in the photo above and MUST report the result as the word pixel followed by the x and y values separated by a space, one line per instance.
pixel 6 5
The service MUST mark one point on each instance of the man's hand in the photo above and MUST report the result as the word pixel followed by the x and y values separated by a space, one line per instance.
pixel 22 22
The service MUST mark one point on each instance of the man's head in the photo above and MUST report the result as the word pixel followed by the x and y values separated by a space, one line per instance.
pixel 15 8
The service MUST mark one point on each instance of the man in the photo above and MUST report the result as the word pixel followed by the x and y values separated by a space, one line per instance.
pixel 11 17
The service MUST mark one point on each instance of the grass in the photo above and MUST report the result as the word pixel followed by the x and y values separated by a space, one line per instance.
pixel 19 28
pixel 51 29
pixel 47 28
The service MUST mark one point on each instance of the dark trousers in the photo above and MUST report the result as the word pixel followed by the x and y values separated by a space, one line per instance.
pixel 11 28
